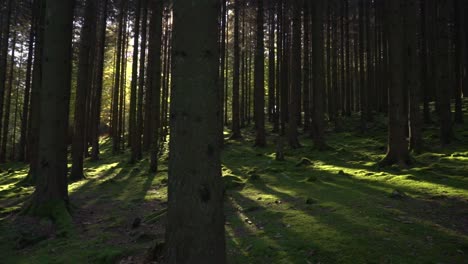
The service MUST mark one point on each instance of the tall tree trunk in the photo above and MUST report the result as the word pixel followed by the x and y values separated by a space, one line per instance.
pixel 443 71
pixel 412 74
pixel 271 61
pixel 295 85
pixel 306 69
pixel 8 91
pixel 459 59
pixel 27 87
pixel 362 73
pixel 236 133
pixel 259 98
pixel 87 43
pixel 141 84
pixel 318 124
pixel 397 152
pixel 132 133
pixel 195 226
pixel 116 89
pixel 154 80
pixel 50 198
pixel 5 33
pixel 34 111
pixel 99 83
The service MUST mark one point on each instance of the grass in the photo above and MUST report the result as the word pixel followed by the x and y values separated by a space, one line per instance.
pixel 335 206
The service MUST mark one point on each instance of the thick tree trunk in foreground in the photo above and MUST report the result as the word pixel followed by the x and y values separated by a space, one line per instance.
pixel 398 152
pixel 195 226
pixel 50 198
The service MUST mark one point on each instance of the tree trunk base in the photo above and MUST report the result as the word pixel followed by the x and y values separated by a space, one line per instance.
pixel 57 211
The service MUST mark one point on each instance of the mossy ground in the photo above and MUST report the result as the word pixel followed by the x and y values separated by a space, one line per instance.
pixel 338 208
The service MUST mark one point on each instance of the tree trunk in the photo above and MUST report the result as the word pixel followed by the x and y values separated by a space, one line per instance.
pixel 50 199
pixel 236 133
pixel 412 74
pixel 306 69
pixel 154 80
pixel 195 226
pixel 318 131
pixel 87 43
pixel 459 59
pixel 27 88
pixel 295 86
pixel 115 128
pixel 132 134
pixel 99 83
pixel 397 152
pixel 5 33
pixel 8 91
pixel 259 98
pixel 443 71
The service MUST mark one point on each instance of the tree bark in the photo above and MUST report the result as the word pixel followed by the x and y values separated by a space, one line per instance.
pixel 259 98
pixel 50 198
pixel 318 124
pixel 154 81
pixel 397 152
pixel 236 133
pixel 87 43
pixel 195 226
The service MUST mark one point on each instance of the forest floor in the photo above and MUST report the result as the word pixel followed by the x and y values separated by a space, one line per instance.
pixel 335 206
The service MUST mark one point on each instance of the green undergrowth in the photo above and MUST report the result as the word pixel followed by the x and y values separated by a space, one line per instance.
pixel 334 206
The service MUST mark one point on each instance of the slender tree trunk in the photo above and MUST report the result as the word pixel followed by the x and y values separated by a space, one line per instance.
pixel 132 134
pixel 154 83
pixel 8 92
pixel 99 83
pixel 295 75
pixel 306 69
pixel 443 72
pixel 459 59
pixel 5 33
pixel 83 88
pixel 362 82
pixel 411 70
pixel 27 89
pixel 236 133
pixel 259 98
pixel 271 61
pixel 318 124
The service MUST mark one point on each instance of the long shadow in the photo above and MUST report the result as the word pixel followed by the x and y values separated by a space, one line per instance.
pixel 353 231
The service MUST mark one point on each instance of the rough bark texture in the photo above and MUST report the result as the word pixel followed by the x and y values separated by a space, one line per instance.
pixel 50 198
pixel 195 226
